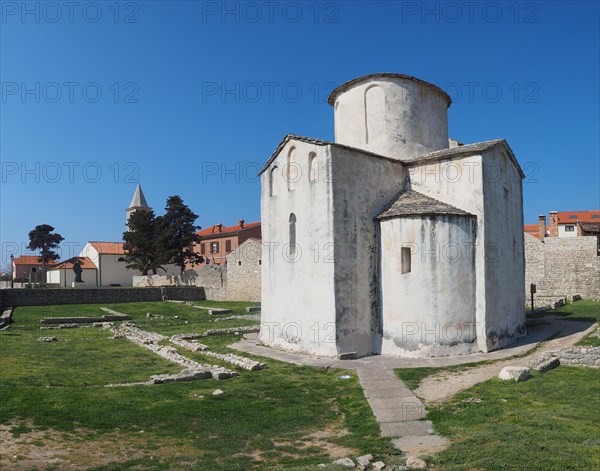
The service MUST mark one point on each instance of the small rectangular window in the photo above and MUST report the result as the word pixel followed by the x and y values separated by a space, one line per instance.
pixel 595 216
pixel 573 216
pixel 569 228
pixel 227 246
pixel 405 259
pixel 214 247
pixel 202 249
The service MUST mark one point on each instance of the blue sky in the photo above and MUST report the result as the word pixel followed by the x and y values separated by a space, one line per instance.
pixel 190 98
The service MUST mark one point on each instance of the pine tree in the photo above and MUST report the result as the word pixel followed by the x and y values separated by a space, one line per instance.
pixel 178 234
pixel 143 244
pixel 43 239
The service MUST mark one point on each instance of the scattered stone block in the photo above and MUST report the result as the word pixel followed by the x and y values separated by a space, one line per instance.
pixel 217 310
pixel 378 465
pixel 364 460
pixel 253 309
pixel 150 341
pixel 413 462
pixel 548 364
pixel 516 373
pixel 47 339
pixel 217 392
pixel 6 317
pixel 469 400
pixel 184 375
pixel 69 326
pixel 233 330
pixel 347 462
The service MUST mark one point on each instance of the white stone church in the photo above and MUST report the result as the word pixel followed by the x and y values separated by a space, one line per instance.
pixel 394 239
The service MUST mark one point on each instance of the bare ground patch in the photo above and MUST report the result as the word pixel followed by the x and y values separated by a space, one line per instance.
pixel 47 448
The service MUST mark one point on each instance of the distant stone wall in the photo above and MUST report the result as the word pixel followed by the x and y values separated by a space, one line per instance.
pixel 238 280
pixel 562 266
pixel 244 272
pixel 48 296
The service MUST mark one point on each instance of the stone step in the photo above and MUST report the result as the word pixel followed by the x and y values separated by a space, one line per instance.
pixel 387 393
pixel 425 444
pixel 409 412
pixel 407 428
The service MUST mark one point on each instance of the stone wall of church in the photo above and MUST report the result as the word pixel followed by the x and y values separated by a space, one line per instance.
pixel 563 266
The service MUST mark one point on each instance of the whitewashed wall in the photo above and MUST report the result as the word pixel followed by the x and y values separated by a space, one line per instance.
pixel 429 311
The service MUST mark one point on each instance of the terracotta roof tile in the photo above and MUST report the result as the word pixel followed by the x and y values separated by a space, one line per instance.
pixel 566 217
pixel 84 261
pixel 213 230
pixel 28 260
pixel 108 248
pixel 533 230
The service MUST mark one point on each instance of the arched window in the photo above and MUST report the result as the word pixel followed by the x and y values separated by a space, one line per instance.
pixel 292 234
pixel 374 114
pixel 293 170
pixel 272 187
pixel 313 165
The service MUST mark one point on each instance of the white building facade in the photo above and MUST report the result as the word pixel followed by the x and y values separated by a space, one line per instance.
pixel 393 239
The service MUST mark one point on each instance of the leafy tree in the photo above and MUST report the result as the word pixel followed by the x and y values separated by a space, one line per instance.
pixel 142 243
pixel 43 238
pixel 178 233
pixel 143 263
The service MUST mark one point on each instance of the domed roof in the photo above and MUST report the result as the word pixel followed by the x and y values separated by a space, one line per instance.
pixel 345 86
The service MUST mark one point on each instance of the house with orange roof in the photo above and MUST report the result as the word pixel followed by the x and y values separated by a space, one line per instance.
pixel 574 223
pixel 566 224
pixel 218 241
pixel 111 264
pixel 109 260
pixel 27 267
pixel 62 274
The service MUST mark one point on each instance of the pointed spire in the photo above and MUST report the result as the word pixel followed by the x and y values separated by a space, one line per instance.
pixel 138 203
pixel 139 200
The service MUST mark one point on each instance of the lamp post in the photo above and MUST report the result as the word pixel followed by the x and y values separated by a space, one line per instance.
pixel 12 271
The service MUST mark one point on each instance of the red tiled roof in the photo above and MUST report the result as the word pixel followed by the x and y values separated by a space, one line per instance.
pixel 85 262
pixel 224 230
pixel 532 229
pixel 108 248
pixel 28 260
pixel 566 217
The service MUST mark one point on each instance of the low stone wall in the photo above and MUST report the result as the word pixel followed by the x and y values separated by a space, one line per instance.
pixel 562 266
pixel 238 280
pixel 85 320
pixel 573 356
pixel 48 296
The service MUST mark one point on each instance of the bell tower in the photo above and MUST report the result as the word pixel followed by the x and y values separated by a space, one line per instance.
pixel 138 203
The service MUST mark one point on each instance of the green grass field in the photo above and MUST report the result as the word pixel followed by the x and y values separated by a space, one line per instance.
pixel 550 422
pixel 285 416
pixel 53 395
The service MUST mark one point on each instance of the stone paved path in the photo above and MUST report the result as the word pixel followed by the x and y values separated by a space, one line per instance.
pixel 398 411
